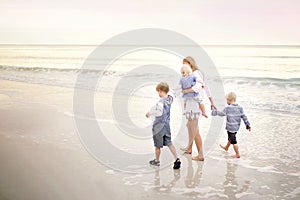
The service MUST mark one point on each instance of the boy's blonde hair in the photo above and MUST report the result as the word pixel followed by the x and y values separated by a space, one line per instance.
pixel 186 68
pixel 163 86
pixel 231 96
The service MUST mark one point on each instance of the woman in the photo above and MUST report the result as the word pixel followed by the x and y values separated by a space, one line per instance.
pixel 201 79
pixel 195 108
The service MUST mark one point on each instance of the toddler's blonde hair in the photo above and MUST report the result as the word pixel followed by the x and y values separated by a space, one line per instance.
pixel 231 96
pixel 186 68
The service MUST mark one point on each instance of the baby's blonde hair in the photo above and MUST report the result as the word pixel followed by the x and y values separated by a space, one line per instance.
pixel 231 96
pixel 186 68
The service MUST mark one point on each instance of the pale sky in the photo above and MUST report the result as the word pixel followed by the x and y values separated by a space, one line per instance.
pixel 205 21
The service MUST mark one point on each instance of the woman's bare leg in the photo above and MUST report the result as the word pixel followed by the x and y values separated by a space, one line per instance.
pixel 191 136
pixel 188 149
pixel 198 140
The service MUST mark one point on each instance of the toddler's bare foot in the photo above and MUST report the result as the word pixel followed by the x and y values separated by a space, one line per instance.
pixel 226 149
pixel 204 114
pixel 197 158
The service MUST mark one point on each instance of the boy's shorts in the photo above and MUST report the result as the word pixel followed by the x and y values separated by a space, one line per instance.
pixel 232 137
pixel 161 135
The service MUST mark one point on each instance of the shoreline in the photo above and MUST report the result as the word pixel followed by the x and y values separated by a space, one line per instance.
pixel 42 158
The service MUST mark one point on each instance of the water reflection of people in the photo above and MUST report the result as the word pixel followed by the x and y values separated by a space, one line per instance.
pixel 166 188
pixel 231 186
pixel 192 179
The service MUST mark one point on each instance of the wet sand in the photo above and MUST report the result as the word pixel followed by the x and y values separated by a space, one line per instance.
pixel 42 158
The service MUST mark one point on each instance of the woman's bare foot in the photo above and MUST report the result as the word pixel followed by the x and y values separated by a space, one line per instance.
pixel 197 158
pixel 186 150
pixel 205 115
pixel 236 156
pixel 183 149
pixel 224 147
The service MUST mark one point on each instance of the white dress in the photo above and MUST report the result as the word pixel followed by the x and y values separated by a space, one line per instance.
pixel 192 110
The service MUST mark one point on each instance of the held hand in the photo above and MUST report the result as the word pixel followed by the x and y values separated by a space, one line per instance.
pixel 214 111
pixel 248 128
pixel 147 114
pixel 183 91
pixel 213 107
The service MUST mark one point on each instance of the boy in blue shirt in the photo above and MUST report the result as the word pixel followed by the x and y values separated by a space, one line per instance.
pixel 234 113
pixel 161 125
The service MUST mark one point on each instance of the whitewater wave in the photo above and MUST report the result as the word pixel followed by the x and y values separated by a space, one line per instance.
pixel 291 83
pixel 99 70
pixel 67 78
pixel 272 107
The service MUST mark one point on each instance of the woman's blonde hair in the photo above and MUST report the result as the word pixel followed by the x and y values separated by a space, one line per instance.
pixel 191 62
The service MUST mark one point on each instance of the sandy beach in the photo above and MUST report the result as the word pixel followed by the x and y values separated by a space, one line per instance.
pixel 78 77
pixel 42 158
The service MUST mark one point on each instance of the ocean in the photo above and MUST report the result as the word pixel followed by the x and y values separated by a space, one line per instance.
pixel 265 78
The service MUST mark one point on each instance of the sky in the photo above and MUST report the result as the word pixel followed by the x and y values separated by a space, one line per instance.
pixel 206 22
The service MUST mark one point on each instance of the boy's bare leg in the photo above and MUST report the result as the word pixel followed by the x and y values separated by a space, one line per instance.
pixel 173 151
pixel 202 108
pixel 157 153
pixel 236 149
pixel 226 147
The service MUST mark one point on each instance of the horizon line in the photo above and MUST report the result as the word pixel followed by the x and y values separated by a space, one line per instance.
pixel 78 44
